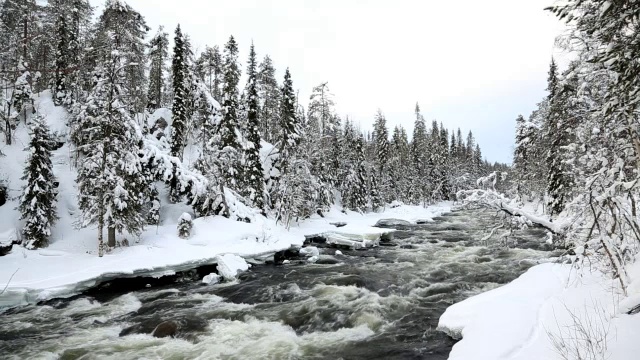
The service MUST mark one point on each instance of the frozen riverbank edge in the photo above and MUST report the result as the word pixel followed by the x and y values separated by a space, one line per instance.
pixel 70 266
pixel 547 304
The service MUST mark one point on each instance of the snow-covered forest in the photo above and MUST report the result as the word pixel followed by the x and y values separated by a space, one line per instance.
pixel 141 101
pixel 161 198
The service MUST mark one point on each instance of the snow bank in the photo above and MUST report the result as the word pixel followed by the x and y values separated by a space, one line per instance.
pixel 70 264
pixel 520 319
pixel 230 265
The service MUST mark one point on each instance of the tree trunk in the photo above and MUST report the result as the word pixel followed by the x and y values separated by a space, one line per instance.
pixel 100 236
pixel 111 237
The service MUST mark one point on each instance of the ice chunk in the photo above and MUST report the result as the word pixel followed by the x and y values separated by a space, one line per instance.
pixel 211 279
pixel 230 265
pixel 309 251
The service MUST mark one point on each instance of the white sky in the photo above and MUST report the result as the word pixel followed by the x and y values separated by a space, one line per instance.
pixel 473 64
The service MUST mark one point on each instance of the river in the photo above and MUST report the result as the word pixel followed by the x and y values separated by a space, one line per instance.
pixel 380 303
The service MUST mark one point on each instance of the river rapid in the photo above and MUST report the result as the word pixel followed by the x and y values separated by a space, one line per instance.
pixel 379 303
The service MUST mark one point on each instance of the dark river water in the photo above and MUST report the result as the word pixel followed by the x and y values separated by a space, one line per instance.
pixel 380 303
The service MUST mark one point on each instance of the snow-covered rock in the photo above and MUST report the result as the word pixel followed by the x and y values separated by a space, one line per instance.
pixel 392 222
pixel 230 265
pixel 309 251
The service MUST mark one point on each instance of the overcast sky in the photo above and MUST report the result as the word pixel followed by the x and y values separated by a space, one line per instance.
pixel 469 63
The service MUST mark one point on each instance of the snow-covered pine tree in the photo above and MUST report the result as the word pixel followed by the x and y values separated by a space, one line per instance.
pixel 375 197
pixel 381 144
pixel 253 185
pixel 269 99
pixel 285 171
pixel 210 163
pixel 558 186
pixel 185 225
pixel 179 110
pixel 22 94
pixel 445 186
pixel 354 185
pixel 229 131
pixel 111 186
pixel 158 54
pixel 62 59
pixel 37 204
pixel 478 164
pixel 123 29
pixel 521 158
pixel 421 181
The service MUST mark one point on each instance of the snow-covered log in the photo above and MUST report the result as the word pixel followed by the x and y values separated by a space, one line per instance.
pixel 495 200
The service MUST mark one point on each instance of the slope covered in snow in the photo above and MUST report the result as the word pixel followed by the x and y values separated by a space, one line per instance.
pixel 70 264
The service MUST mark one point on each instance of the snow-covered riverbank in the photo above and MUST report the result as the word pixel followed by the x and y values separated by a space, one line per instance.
pixel 549 310
pixel 70 264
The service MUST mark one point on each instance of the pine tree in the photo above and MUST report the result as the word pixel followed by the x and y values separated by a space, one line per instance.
pixel 269 98
pixel 37 204
pixel 185 224
pixel 254 187
pixel 381 143
pixel 375 198
pixel 521 159
pixel 285 173
pixel 354 186
pixel 158 53
pixel 558 185
pixel 179 111
pixel 62 59
pixel 230 144
pixel 210 70
pixel 22 95
pixel 111 186
pixel 121 28
pixel 421 161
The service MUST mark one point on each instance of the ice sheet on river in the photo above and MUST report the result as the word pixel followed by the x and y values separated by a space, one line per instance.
pixel 69 265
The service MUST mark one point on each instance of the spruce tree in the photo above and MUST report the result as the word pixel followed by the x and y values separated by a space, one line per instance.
pixel 381 144
pixel 421 161
pixel 179 109
pixel 62 59
pixel 230 144
pixel 121 28
pixel 111 185
pixel 289 172
pixel 254 187
pixel 558 183
pixel 37 204
pixel 158 54
pixel 269 98
pixel 22 93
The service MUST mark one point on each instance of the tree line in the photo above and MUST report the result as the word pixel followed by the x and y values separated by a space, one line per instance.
pixel 257 146
pixel 579 151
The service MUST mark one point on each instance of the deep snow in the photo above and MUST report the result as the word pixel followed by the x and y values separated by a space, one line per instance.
pixel 521 320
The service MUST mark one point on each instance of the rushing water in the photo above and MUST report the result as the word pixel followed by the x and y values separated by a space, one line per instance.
pixel 381 303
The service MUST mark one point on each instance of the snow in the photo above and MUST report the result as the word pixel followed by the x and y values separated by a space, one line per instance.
pixel 521 319
pixel 211 279
pixel 70 264
pixel 230 265
pixel 310 251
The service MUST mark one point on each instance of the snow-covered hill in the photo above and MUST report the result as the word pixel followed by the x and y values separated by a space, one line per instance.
pixel 70 263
